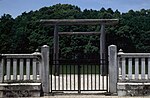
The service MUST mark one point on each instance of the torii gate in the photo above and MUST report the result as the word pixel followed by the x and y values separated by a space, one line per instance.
pixel 61 22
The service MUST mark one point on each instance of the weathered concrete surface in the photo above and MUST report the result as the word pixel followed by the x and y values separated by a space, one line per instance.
pixel 20 90
pixel 133 89
pixel 113 68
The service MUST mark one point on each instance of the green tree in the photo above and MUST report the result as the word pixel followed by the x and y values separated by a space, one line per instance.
pixel 6 33
pixel 24 34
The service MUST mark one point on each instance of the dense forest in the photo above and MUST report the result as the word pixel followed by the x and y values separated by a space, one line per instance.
pixel 25 34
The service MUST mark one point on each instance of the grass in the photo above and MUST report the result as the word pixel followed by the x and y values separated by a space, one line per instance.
pixel 63 69
pixel 74 69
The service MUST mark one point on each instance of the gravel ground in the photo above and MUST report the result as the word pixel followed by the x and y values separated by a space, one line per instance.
pixel 89 96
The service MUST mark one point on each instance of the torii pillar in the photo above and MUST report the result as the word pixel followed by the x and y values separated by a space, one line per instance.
pixel 56 50
pixel 103 59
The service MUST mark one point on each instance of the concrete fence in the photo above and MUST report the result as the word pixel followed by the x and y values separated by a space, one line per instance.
pixel 134 66
pixel 26 67
pixel 14 65
pixel 123 68
pixel 129 73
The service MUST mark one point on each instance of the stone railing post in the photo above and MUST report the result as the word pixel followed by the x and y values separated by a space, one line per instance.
pixel 113 73
pixel 38 70
pixel 45 68
pixel 120 62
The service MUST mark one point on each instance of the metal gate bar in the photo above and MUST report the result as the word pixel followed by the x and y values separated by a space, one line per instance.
pixel 78 75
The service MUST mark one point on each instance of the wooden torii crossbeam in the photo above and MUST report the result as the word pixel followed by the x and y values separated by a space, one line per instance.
pixel 79 21
pixel 77 33
pixel 63 22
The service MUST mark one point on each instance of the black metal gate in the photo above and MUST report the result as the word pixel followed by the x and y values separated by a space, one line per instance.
pixel 78 75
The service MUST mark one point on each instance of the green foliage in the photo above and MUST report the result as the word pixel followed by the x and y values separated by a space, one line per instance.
pixel 24 34
pixel 6 33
